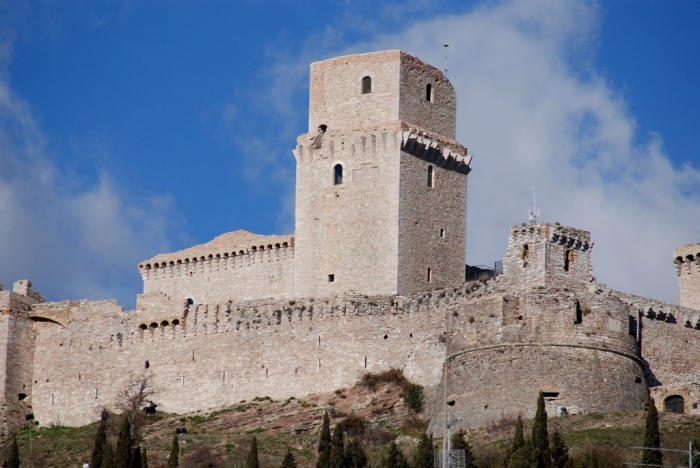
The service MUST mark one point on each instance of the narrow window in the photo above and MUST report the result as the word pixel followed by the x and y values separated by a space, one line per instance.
pixel 365 362
pixel 337 174
pixel 431 181
pixel 366 85
pixel 442 233
pixel 568 258
pixel 430 275
pixel 331 278
pixel 429 92
pixel 147 364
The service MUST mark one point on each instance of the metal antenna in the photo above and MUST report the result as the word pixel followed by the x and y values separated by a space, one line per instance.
pixel 533 214
pixel 446 46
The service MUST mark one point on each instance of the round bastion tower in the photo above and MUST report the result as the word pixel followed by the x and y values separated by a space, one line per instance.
pixel 381 191
pixel 543 326
pixel 687 260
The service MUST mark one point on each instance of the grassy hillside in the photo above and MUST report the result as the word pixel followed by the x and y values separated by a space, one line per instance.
pixel 378 416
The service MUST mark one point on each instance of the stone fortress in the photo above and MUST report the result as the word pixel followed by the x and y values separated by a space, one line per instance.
pixel 372 278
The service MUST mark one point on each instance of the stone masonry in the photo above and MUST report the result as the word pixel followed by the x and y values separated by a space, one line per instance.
pixel 372 279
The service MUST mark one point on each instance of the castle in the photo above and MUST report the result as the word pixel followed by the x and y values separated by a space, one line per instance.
pixel 372 278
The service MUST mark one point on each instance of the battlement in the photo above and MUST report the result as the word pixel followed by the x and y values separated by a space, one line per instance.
pixel 687 261
pixel 239 265
pixel 22 296
pixel 367 144
pixel 539 254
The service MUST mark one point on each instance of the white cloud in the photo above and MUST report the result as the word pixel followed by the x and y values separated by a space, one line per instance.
pixel 535 112
pixel 73 241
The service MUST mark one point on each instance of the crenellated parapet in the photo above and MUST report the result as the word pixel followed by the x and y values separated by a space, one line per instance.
pixel 687 262
pixel 239 265
pixel 545 253
pixel 218 261
pixel 370 143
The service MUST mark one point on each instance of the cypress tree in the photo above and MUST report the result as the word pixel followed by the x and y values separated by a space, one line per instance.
pixel 136 460
pixel 337 455
pixel 173 460
pixel 355 455
pixel 324 444
pixel 518 437
pixel 13 459
pixel 108 457
pixel 459 442
pixel 540 439
pixel 423 454
pixel 97 458
pixel 559 451
pixel 253 455
pixel 652 437
pixel 519 456
pixel 144 458
pixel 122 454
pixel 396 458
pixel 289 461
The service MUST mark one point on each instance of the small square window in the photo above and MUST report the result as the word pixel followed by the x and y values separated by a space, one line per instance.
pixel 331 278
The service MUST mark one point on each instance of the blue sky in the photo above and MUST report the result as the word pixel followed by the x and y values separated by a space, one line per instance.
pixel 130 128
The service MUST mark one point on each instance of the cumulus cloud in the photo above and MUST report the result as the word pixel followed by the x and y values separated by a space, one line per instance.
pixel 72 240
pixel 535 112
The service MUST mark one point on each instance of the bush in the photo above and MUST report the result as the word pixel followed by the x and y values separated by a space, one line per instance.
pixel 413 397
pixel 373 379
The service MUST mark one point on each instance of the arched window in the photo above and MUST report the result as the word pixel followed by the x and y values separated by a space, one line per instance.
pixel 337 174
pixel 429 92
pixel 674 404
pixel 431 178
pixel 366 85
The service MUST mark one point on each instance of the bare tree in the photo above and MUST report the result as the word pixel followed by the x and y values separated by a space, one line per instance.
pixel 138 390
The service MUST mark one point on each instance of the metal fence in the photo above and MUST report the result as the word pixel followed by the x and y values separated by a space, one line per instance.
pixel 453 459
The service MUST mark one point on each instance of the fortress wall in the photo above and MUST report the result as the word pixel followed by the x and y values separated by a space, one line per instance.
pixel 349 230
pixel 503 348
pixel 669 338
pixel 16 354
pixel 265 271
pixel 426 212
pixel 491 384
pixel 221 354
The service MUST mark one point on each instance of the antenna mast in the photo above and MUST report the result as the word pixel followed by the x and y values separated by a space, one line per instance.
pixel 533 214
pixel 446 46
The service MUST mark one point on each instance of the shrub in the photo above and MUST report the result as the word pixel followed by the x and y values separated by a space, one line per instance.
pixel 373 379
pixel 413 397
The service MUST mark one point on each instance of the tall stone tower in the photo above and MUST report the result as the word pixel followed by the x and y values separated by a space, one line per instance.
pixel 381 184
pixel 687 260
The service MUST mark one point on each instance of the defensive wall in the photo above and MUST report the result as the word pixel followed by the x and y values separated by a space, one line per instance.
pixel 235 266
pixel 583 344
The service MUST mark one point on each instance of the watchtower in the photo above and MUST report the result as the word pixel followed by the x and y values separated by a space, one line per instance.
pixel 544 254
pixel 381 183
pixel 687 260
